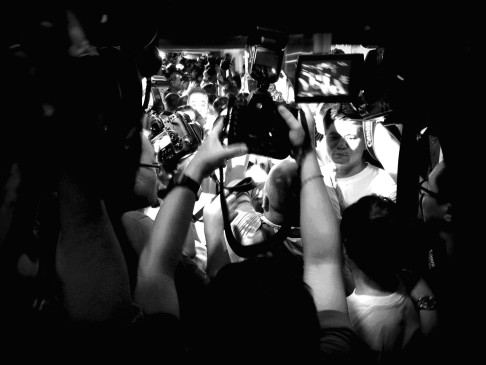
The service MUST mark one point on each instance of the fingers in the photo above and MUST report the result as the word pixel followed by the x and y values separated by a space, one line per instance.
pixel 235 150
pixel 296 134
pixel 218 126
pixel 289 118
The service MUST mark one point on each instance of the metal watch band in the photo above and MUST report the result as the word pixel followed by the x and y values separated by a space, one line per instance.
pixel 426 303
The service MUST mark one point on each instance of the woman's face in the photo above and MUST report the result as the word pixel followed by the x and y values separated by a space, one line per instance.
pixel 345 142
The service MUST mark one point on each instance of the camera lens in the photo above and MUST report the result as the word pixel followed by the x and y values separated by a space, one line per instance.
pixel 155 128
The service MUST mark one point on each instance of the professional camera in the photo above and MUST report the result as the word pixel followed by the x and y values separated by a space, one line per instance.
pixel 257 121
pixel 178 136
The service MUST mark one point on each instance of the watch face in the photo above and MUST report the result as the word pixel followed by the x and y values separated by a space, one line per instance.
pixel 427 303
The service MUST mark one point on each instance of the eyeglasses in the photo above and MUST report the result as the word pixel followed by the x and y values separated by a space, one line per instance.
pixel 156 166
pixel 424 191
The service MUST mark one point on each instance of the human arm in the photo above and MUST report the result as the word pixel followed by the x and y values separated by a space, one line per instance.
pixel 88 252
pixel 319 227
pixel 214 233
pixel 386 148
pixel 155 290
pixel 428 317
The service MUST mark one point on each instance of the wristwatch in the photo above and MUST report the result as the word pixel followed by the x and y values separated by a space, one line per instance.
pixel 186 181
pixel 426 303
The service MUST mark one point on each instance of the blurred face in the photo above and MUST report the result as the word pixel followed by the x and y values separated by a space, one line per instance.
pixel 345 143
pixel 176 81
pixel 199 102
pixel 146 181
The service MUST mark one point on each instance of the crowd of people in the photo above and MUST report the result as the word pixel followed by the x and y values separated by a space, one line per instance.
pixel 102 247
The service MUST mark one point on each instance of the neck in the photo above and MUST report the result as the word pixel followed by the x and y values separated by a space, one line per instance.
pixel 351 170
pixel 366 286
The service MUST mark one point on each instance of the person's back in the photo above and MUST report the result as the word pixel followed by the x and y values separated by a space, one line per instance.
pixel 380 308
pixel 260 307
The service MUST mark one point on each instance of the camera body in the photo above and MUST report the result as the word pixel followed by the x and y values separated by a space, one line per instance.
pixel 256 120
pixel 174 137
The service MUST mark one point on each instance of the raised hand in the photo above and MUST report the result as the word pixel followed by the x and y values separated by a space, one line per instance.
pixel 213 154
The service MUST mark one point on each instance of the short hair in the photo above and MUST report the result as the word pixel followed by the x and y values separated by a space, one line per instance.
pixel 373 237
pixel 196 90
pixel 274 311
pixel 172 99
pixel 220 103
pixel 282 187
pixel 211 89
pixel 182 101
pixel 231 88
pixel 334 111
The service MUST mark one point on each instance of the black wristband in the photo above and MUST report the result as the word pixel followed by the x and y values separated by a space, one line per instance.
pixel 189 183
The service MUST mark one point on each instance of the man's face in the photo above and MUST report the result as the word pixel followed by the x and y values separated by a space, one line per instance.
pixel 434 206
pixel 176 80
pixel 345 144
pixel 199 102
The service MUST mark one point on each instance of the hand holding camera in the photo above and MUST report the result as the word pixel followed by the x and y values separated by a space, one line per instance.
pixel 257 121
pixel 212 154
pixel 174 137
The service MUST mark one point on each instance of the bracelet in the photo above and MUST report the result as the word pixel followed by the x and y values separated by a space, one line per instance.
pixel 320 176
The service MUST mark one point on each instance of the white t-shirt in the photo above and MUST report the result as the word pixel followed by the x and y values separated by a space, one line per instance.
pixel 372 180
pixel 386 323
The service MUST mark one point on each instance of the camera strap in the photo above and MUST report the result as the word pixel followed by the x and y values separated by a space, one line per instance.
pixel 268 245
pixel 245 184
pixel 369 132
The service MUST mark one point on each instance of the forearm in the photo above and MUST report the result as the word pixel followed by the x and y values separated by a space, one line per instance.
pixel 89 260
pixel 318 221
pixel 387 149
pixel 170 231
pixel 321 239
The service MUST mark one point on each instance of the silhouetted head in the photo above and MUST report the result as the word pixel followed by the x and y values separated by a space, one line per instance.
pixel 282 189
pixel 261 309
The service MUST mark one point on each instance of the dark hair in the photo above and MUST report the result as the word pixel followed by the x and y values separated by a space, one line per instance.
pixel 273 312
pixel 372 237
pixel 220 103
pixel 211 89
pixel 231 88
pixel 172 99
pixel 333 111
pixel 182 101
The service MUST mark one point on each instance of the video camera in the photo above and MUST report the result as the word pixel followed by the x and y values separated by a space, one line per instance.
pixel 256 121
pixel 174 137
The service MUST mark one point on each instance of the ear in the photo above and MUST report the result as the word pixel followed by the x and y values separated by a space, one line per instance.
pixel 448 213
